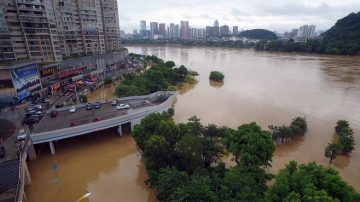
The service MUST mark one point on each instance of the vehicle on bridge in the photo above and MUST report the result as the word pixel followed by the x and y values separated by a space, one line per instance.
pixel 122 106
pixel 97 105
pixel 89 106
pixel 72 109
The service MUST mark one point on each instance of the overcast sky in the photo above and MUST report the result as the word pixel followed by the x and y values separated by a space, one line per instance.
pixel 279 15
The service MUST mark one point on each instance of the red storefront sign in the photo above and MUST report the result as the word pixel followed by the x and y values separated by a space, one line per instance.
pixel 70 72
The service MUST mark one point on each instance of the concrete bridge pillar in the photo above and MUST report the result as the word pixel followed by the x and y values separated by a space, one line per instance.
pixel 119 130
pixel 52 147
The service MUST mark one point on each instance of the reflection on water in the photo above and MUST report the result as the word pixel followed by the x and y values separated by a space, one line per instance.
pixel 216 84
pixel 273 88
pixel 186 87
pixel 103 164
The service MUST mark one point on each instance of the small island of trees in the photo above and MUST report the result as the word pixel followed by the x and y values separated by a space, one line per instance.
pixel 216 76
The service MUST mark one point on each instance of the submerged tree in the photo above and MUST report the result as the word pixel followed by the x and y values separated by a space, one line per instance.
pixel 331 151
pixel 298 126
pixel 341 126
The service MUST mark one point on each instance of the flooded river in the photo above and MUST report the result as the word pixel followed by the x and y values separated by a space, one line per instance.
pixel 268 88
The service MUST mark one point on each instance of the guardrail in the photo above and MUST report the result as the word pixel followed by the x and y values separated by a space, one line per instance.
pixel 101 125
pixel 22 160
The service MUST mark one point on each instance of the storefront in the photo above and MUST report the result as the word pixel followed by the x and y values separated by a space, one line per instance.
pixel 49 77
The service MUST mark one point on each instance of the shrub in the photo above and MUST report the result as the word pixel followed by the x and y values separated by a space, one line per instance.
pixel 217 76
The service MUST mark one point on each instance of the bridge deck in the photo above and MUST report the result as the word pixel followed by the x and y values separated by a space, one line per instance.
pixel 83 116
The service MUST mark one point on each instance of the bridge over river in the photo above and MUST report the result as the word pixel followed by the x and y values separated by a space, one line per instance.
pixel 52 129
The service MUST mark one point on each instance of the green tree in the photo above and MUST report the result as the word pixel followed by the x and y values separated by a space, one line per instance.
pixel 250 145
pixel 347 143
pixel 341 125
pixel 331 151
pixel 190 149
pixel 194 126
pixel 309 182
pixel 198 189
pixel 283 132
pixel 157 153
pixel 299 126
pixel 168 181
pixel 170 64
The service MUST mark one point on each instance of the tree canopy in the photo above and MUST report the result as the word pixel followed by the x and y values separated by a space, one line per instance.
pixel 261 34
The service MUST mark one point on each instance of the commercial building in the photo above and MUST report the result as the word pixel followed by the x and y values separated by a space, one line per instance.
pixel 216 29
pixel 305 32
pixel 162 30
pixel 235 30
pixel 47 30
pixel 26 79
pixel 143 28
pixel 154 29
pixel 184 29
pixel 224 30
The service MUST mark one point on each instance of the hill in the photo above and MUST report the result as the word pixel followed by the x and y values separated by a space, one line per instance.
pixel 344 37
pixel 261 34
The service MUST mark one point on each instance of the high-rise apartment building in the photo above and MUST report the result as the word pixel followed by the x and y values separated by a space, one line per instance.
pixel 154 29
pixel 28 31
pixel 184 29
pixel 173 31
pixel 235 30
pixel 109 11
pixel 47 30
pixel 197 33
pixel 162 30
pixel 143 28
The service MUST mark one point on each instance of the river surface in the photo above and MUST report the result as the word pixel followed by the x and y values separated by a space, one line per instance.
pixel 268 88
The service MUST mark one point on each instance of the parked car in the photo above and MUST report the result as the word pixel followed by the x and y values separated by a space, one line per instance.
pixel 97 119
pixel 114 103
pixel 89 106
pixel 72 109
pixel 97 105
pixel 59 105
pixel 122 106
pixel 21 135
pixel 33 119
pixel 54 113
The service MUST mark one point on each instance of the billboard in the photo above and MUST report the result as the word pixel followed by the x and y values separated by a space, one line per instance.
pixel 49 71
pixel 25 79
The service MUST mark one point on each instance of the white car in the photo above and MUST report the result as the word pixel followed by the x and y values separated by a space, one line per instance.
pixel 114 103
pixel 22 135
pixel 72 109
pixel 122 106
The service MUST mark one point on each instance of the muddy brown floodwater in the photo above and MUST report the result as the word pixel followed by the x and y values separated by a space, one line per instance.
pixel 268 88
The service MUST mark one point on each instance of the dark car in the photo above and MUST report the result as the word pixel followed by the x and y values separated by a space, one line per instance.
pixel 97 119
pixel 89 106
pixel 33 119
pixel 2 152
pixel 97 105
pixel 54 113
pixel 59 105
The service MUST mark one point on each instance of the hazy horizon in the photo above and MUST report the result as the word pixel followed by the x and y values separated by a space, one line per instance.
pixel 279 15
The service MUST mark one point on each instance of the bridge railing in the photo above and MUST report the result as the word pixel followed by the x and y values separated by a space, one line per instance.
pixel 22 160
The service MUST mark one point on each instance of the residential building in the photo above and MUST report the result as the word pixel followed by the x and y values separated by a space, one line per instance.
pixel 111 27
pixel 162 30
pixel 208 31
pixel 184 29
pixel 48 30
pixel 28 31
pixel 143 28
pixel 173 31
pixel 197 33
pixel 154 29
pixel 235 30
pixel 80 26
pixel 224 30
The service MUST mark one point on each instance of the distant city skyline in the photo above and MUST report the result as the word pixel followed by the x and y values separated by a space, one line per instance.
pixel 279 15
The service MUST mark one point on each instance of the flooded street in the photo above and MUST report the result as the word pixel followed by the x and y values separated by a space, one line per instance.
pixel 268 88
pixel 103 164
